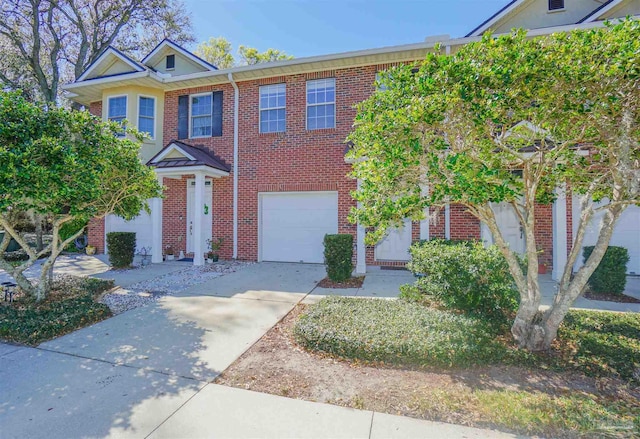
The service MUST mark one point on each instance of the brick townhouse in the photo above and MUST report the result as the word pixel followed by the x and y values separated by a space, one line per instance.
pixel 255 155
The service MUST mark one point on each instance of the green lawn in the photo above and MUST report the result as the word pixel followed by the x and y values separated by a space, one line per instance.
pixel 597 344
pixel 70 306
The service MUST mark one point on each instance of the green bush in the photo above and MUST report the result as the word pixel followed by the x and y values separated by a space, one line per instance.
pixel 71 306
pixel 611 274
pixel 396 332
pixel 338 254
pixel 69 229
pixel 466 276
pixel 122 248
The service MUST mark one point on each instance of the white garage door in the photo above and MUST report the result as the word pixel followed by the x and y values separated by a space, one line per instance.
pixel 141 225
pixel 293 225
pixel 626 234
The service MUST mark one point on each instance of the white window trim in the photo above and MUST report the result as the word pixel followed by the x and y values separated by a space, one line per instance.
pixel 191 136
pixel 562 9
pixel 169 69
pixel 260 109
pixel 126 107
pixel 335 107
pixel 155 114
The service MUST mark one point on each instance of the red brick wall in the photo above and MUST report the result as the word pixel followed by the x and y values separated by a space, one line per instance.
pixel 463 224
pixel 543 231
pixel 95 229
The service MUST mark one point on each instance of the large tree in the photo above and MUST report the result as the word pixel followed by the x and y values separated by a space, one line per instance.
pixel 65 166
pixel 509 120
pixel 46 42
pixel 218 51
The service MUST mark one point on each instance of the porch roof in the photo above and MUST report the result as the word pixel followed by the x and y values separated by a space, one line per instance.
pixel 181 157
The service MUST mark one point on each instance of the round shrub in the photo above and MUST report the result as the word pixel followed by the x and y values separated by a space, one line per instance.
pixel 466 276
pixel 121 247
pixel 338 254
pixel 611 274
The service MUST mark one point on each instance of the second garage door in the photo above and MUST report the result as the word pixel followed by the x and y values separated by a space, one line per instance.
pixel 293 225
pixel 141 225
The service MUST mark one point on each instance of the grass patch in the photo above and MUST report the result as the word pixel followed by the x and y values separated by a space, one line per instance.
pixel 397 332
pixel 599 344
pixel 535 413
pixel 70 305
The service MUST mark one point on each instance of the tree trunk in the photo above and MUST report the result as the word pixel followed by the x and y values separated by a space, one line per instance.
pixel 37 220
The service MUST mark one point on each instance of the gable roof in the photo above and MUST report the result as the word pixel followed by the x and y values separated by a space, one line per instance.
pixel 505 10
pixel 190 156
pixel 606 6
pixel 110 52
pixel 150 58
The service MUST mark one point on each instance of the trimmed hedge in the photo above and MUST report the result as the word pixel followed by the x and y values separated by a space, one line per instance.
pixel 338 255
pixel 611 274
pixel 466 276
pixel 397 332
pixel 122 248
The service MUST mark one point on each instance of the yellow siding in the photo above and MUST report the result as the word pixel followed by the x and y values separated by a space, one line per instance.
pixel 150 147
pixel 535 14
pixel 630 7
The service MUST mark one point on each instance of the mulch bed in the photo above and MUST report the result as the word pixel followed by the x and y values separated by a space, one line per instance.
pixel 354 282
pixel 606 297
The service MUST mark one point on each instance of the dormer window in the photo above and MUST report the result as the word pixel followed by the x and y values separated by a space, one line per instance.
pixel 171 62
pixel 556 5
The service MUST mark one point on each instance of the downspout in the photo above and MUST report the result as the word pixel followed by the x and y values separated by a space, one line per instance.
pixel 236 106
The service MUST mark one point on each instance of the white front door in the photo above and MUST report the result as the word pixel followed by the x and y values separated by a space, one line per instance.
pixel 207 218
pixel 395 246
pixel 509 226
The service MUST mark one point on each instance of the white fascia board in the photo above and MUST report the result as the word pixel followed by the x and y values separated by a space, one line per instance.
pixel 596 14
pixel 186 170
pixel 171 148
pixel 107 52
pixel 180 50
pixel 108 79
pixel 498 17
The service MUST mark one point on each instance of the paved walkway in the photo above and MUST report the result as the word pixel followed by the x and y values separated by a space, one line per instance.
pixel 148 372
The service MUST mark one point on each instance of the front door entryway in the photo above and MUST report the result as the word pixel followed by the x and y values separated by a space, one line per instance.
pixel 395 246
pixel 207 224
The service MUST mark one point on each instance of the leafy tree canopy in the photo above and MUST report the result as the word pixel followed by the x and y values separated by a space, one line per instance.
pixel 64 165
pixel 218 51
pixel 510 120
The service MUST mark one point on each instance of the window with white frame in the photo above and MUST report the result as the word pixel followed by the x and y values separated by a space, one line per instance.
pixel 117 110
pixel 321 104
pixel 201 115
pixel 380 76
pixel 273 108
pixel 146 115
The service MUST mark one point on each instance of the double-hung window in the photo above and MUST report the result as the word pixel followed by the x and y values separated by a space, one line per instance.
pixel 273 108
pixel 321 104
pixel 117 111
pixel 201 114
pixel 146 115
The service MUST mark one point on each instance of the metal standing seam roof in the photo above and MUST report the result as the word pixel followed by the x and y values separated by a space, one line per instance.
pixel 201 156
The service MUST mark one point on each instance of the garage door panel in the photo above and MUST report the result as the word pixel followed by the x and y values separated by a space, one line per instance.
pixel 141 226
pixel 293 225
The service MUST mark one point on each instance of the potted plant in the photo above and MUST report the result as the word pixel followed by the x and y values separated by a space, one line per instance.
pixel 214 246
pixel 168 252
pixel 90 250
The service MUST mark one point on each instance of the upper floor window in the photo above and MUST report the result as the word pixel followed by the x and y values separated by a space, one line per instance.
pixel 321 104
pixel 201 113
pixel 272 108
pixel 146 115
pixel 555 5
pixel 171 62
pixel 117 110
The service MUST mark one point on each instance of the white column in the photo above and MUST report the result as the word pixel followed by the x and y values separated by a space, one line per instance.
pixel 424 224
pixel 447 221
pixel 198 206
pixel 156 227
pixel 559 232
pixel 361 249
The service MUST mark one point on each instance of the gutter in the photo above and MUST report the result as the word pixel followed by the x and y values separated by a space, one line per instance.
pixel 236 106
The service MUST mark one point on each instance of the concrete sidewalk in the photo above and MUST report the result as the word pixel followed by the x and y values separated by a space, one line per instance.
pixel 148 372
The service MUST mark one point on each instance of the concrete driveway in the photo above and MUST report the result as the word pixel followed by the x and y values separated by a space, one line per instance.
pixel 148 372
